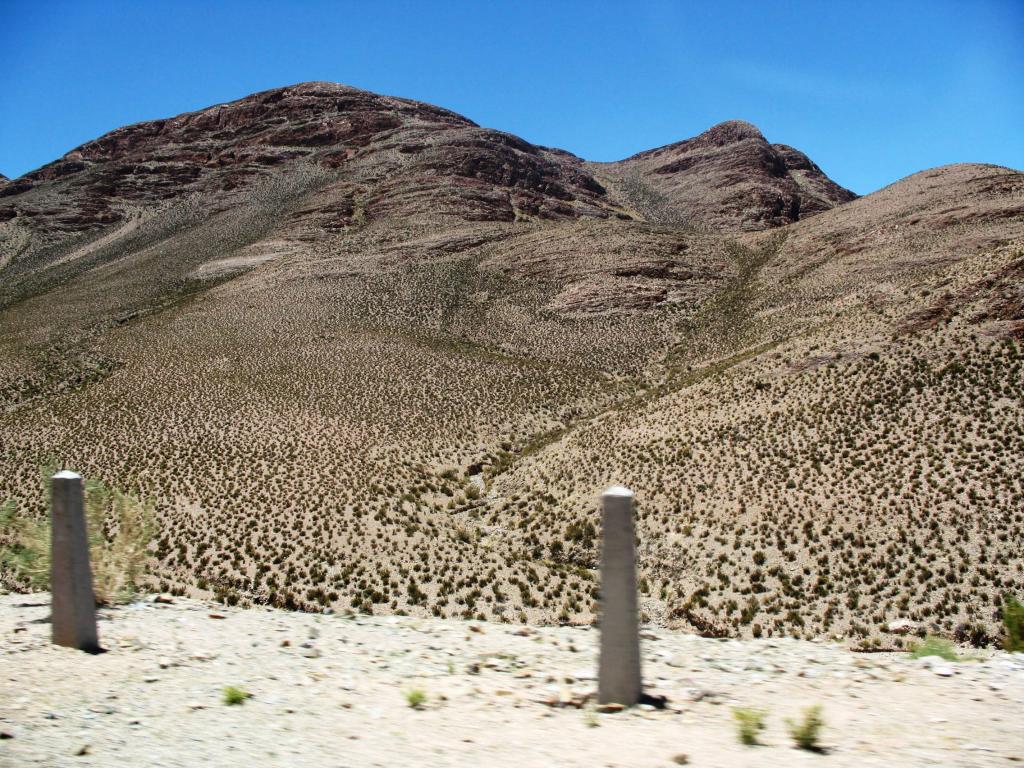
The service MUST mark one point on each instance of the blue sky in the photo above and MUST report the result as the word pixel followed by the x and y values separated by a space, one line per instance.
pixel 872 91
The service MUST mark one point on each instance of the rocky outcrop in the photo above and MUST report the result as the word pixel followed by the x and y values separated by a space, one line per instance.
pixel 404 158
pixel 390 158
pixel 727 178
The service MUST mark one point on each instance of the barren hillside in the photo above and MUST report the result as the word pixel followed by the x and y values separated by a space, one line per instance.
pixel 363 352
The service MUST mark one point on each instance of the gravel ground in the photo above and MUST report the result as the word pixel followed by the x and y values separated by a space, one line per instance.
pixel 328 690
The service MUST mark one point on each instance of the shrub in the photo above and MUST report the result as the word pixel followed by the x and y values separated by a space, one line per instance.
pixel 750 723
pixel 416 698
pixel 934 646
pixel 805 733
pixel 120 529
pixel 1013 624
pixel 25 558
pixel 234 695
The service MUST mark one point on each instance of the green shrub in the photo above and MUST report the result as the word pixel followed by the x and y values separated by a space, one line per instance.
pixel 416 698
pixel 805 732
pixel 1013 624
pixel 234 695
pixel 25 556
pixel 120 529
pixel 934 646
pixel 750 723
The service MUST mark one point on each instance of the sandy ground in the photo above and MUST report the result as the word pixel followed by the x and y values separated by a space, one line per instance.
pixel 329 690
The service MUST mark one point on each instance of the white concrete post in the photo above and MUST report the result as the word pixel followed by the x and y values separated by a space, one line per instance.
pixel 619 665
pixel 73 610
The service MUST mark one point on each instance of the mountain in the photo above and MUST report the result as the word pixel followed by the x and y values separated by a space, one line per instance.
pixel 360 351
pixel 729 178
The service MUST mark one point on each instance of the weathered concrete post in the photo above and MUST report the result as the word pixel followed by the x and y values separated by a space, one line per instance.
pixel 618 672
pixel 73 603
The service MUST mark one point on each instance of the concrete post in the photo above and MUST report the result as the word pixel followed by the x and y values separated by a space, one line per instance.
pixel 619 666
pixel 73 611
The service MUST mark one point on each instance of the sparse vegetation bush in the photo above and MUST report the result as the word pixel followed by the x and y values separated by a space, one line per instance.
pixel 934 646
pixel 233 695
pixel 25 551
pixel 1013 624
pixel 750 724
pixel 806 732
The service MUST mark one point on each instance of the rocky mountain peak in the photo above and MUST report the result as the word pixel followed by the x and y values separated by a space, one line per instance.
pixel 729 178
pixel 384 156
pixel 723 134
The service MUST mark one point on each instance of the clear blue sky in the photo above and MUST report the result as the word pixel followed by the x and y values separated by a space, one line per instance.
pixel 872 91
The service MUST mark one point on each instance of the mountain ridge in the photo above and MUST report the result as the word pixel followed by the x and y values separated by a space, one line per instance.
pixel 283 124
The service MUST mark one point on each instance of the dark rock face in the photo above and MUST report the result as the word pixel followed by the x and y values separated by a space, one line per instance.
pixel 404 159
pixel 410 158
pixel 306 167
pixel 728 178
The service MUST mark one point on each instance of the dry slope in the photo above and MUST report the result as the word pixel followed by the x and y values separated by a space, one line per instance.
pixel 361 351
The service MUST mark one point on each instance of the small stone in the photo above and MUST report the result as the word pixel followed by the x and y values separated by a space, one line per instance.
pixel 610 708
pixel 82 750
pixel 311 653
pixel 943 670
pixel 164 662
pixel 164 599
pixel 901 627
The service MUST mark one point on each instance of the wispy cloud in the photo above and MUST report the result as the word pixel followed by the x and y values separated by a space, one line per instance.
pixel 816 84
